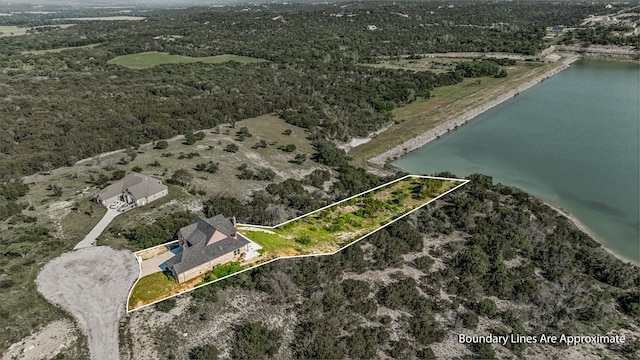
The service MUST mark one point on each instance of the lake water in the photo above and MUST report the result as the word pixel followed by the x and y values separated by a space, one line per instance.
pixel 572 140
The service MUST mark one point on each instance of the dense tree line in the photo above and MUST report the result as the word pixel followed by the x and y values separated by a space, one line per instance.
pixel 603 35
pixel 61 107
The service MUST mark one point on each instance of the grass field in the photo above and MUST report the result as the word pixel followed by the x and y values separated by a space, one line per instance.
pixel 324 231
pixel 446 103
pixel 150 59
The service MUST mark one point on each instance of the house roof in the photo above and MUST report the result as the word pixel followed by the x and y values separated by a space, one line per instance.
pixel 202 229
pixel 194 256
pixel 138 185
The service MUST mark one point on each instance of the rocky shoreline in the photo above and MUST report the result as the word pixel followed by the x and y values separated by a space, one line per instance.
pixel 452 124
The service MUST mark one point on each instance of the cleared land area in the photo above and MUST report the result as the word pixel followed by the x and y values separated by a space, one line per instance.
pixel 329 229
pixel 92 284
pixel 320 232
pixel 445 104
pixel 13 30
pixel 161 163
pixel 434 64
pixel 105 18
pixel 150 59
pixel 57 50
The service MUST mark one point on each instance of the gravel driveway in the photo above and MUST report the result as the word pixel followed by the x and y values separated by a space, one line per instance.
pixel 92 284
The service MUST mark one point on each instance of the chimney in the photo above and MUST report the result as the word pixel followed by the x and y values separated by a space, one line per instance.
pixel 233 222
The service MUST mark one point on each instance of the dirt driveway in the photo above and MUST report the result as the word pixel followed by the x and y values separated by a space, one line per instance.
pixel 92 284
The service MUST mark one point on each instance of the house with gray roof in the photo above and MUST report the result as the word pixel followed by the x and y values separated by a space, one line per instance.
pixel 204 244
pixel 134 188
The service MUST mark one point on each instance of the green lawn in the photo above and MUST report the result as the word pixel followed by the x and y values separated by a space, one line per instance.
pixel 150 59
pixel 157 286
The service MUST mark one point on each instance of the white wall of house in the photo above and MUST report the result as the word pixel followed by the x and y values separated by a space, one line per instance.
pixel 206 267
pixel 107 202
pixel 157 195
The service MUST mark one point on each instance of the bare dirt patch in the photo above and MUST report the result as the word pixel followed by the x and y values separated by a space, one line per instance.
pixel 93 285
pixel 45 344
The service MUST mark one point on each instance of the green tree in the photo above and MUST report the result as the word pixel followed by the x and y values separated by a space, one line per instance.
pixel 256 341
pixel 181 177
pixel 118 174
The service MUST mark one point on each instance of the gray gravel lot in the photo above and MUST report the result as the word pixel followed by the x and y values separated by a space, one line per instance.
pixel 92 284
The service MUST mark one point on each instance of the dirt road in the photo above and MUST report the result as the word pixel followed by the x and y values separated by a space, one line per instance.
pixel 92 284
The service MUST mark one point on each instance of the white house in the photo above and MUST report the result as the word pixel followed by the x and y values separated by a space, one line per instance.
pixel 132 189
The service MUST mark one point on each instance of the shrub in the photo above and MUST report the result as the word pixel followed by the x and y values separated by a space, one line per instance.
pixel 206 293
pixel 224 270
pixel 287 132
pixel 181 177
pixel 260 144
pixel 288 148
pixel 161 145
pixel 355 290
pixel 469 320
pixel 232 148
pixel 424 263
pixel 204 352
pixel 485 351
pixel 209 167
pixel 243 133
pixel 118 174
pixel 13 189
pixel 299 159
pixel 303 239
pixel 487 308
pixel 190 139
pixel 56 189
pixel 166 305
pixel 256 341
pixel 190 155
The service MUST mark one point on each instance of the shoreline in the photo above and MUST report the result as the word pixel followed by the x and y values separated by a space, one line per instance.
pixel 384 159
pixel 439 130
pixel 585 229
